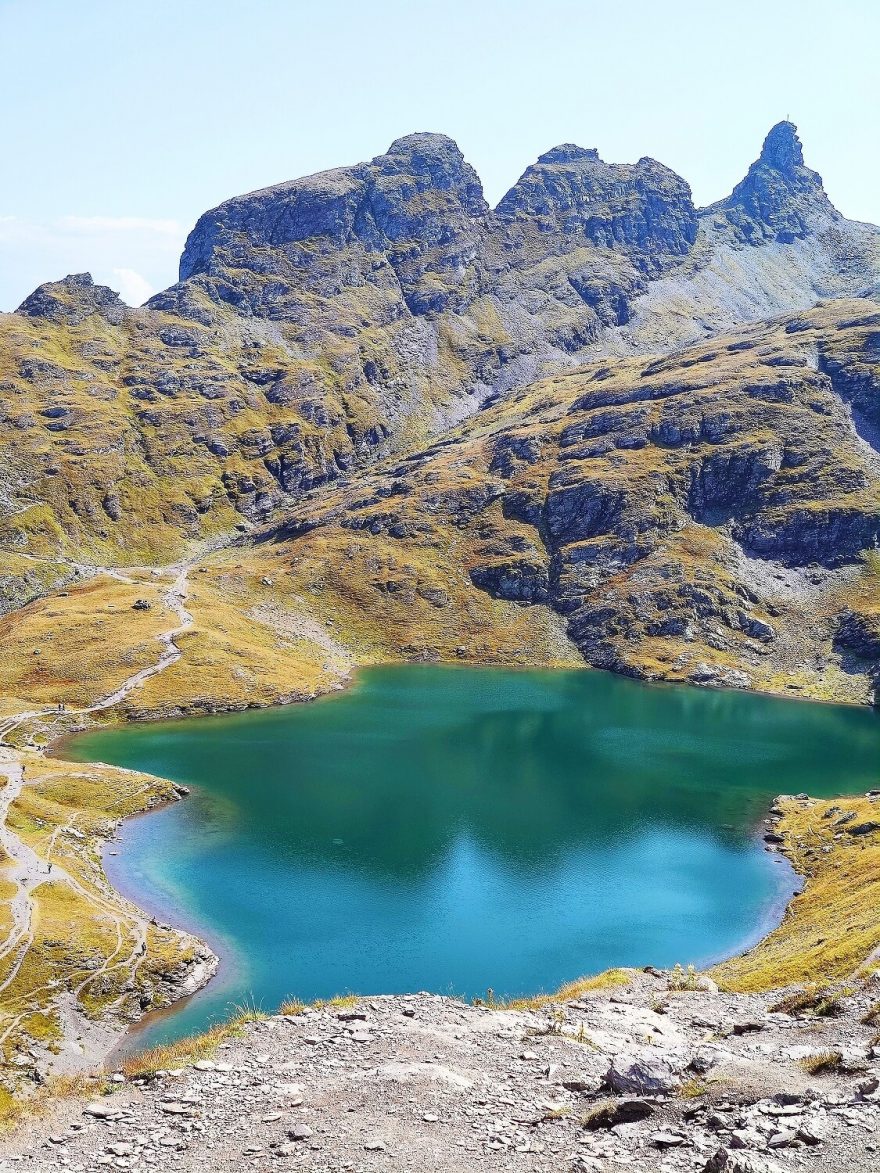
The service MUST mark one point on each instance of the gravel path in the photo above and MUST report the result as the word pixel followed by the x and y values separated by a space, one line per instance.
pixel 692 1080
pixel 25 868
pixel 175 596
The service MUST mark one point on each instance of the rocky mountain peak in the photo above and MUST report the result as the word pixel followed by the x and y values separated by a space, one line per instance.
pixel 782 148
pixel 419 206
pixel 72 299
pixel 435 160
pixel 426 148
pixel 392 276
pixel 569 153
pixel 780 198
pixel 641 209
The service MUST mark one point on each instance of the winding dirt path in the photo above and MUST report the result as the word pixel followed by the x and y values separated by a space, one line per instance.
pixel 175 596
pixel 25 865
pixel 27 870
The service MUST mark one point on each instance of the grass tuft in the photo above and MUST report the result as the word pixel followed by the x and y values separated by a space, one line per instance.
pixel 606 980
pixel 601 1115
pixel 184 1052
pixel 693 1088
pixel 247 1011
pixel 337 1002
pixel 15 1109
pixel 292 1006
pixel 818 1002
pixel 822 1063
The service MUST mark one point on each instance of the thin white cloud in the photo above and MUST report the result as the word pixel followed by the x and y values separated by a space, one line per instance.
pixel 135 254
pixel 132 286
pixel 14 230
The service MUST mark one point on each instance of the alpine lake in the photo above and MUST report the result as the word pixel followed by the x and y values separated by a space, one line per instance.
pixel 460 830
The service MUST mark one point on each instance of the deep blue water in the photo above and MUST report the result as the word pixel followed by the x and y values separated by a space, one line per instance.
pixel 456 829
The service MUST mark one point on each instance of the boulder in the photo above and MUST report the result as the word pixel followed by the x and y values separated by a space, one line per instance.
pixel 724 1161
pixel 649 1071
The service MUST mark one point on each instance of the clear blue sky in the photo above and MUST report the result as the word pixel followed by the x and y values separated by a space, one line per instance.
pixel 124 119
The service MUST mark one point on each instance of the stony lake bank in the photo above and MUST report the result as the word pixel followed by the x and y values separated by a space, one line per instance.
pixel 769 1062
pixel 642 1072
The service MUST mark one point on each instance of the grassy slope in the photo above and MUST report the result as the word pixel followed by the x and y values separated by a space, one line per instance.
pixel 82 951
pixel 834 924
pixel 428 521
pixel 384 573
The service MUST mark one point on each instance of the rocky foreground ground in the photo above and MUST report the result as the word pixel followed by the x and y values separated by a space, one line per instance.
pixel 642 1075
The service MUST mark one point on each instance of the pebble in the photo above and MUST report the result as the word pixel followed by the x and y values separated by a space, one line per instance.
pixel 667 1140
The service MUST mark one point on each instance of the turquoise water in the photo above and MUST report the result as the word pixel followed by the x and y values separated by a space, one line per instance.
pixel 454 829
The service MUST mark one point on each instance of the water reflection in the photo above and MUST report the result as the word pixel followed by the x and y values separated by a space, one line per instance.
pixel 445 827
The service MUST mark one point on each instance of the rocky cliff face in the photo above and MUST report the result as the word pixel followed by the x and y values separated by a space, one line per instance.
pixel 780 198
pixel 410 221
pixel 571 196
pixel 711 516
pixel 554 274
pixel 329 322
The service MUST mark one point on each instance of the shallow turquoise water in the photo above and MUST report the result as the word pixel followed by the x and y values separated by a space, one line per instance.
pixel 454 829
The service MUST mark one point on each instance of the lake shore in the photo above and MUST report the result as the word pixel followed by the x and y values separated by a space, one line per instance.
pixel 105 1042
pixel 545 979
pixel 645 1069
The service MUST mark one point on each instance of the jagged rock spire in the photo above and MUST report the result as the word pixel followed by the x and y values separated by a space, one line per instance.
pixel 780 198
pixel 782 149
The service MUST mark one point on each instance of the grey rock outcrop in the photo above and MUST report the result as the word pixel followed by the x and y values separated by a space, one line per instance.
pixel 72 300
pixel 780 198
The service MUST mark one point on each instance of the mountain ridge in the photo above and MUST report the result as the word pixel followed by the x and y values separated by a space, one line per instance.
pixel 380 422
pixel 330 322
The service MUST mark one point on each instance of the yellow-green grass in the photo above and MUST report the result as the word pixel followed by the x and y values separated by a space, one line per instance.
pixel 337 1002
pixel 231 659
pixel 185 1052
pixel 82 936
pixel 390 601
pixel 35 1102
pixel 609 979
pixel 834 924
pixel 81 645
pixel 822 1062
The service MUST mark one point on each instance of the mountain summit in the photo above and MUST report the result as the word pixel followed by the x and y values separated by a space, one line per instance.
pixel 782 149
pixel 467 300
pixel 780 198
pixel 338 317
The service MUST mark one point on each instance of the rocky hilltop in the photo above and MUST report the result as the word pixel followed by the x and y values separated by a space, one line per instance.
pixel 327 321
